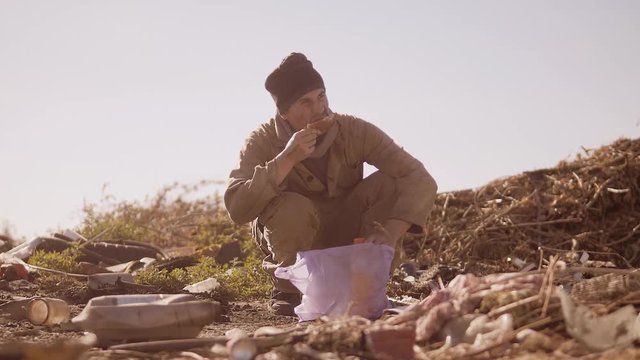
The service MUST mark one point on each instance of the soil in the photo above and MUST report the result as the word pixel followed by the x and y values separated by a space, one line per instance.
pixel 20 339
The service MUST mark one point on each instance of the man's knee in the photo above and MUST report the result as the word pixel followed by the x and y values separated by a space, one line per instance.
pixel 375 189
pixel 381 183
pixel 290 210
pixel 291 223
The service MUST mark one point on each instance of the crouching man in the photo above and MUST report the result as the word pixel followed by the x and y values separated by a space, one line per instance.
pixel 299 180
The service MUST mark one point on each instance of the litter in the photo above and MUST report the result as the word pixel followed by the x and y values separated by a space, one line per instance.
pixel 132 266
pixel 100 281
pixel 204 286
pixel 120 318
pixel 240 346
pixel 615 330
pixel 345 280
pixel 170 345
pixel 14 310
pixel 48 311
pixel 39 311
pixel 10 272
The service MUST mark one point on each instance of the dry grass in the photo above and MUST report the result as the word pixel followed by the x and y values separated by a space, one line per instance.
pixel 590 204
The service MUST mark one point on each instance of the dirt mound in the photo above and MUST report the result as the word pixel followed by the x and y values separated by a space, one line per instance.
pixel 590 204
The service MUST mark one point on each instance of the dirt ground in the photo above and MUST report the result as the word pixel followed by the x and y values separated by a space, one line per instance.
pixel 20 339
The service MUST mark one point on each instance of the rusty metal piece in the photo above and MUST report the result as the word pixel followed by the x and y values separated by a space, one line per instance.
pixel 396 342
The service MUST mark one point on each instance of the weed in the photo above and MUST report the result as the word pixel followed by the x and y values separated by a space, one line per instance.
pixel 236 282
pixel 63 261
pixel 169 219
pixel 174 217
pixel 168 281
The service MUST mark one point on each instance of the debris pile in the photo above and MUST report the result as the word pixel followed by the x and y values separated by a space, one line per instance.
pixel 591 204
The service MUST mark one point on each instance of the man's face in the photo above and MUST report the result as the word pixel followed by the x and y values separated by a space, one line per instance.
pixel 309 108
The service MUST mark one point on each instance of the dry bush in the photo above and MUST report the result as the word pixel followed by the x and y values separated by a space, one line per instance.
pixel 178 215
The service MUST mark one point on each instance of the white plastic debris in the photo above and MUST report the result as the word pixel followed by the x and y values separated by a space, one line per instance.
pixel 615 330
pixel 102 280
pixel 21 251
pixel 204 286
pixel 522 265
pixel 240 346
pixel 532 341
pixel 476 329
pixel 485 332
pixel 455 331
pixel 584 258
pixel 73 235
pixel 519 263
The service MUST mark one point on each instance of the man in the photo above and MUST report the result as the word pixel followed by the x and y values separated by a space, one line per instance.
pixel 300 179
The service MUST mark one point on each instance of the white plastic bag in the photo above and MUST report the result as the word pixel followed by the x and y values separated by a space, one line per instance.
pixel 345 280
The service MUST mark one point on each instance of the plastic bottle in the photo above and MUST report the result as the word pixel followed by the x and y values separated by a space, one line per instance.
pixel 47 311
pixel 115 318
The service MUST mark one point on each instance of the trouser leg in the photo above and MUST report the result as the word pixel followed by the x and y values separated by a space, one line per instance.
pixel 355 214
pixel 292 222
pixel 372 201
pixel 289 224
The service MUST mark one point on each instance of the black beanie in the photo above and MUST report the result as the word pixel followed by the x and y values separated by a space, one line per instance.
pixel 292 79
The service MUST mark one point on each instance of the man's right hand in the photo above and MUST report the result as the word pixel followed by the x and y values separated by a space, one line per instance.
pixel 301 145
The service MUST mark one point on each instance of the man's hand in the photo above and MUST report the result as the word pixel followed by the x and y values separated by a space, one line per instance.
pixel 389 233
pixel 301 145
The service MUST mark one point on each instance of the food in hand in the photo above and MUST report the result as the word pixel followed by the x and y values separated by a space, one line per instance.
pixel 322 125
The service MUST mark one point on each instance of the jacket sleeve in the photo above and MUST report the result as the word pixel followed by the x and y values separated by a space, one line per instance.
pixel 252 185
pixel 416 188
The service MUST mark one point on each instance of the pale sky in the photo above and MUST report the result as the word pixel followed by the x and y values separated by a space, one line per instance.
pixel 138 94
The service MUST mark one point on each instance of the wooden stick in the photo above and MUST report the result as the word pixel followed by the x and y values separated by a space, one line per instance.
pixel 549 222
pixel 541 257
pixel 78 276
pixel 625 238
pixel 506 308
pixel 526 224
pixel 444 207
pixel 598 271
pixel 550 286
pixel 595 195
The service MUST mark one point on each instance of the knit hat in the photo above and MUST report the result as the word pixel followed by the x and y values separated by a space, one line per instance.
pixel 292 79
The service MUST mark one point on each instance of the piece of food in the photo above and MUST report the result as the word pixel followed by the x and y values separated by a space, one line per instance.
pixel 322 125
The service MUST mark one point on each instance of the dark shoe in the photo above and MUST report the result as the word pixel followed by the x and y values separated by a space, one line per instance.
pixel 283 303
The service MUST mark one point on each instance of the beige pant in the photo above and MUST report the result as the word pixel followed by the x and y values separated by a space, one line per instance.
pixel 292 222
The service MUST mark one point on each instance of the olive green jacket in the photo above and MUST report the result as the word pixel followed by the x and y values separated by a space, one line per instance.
pixel 252 184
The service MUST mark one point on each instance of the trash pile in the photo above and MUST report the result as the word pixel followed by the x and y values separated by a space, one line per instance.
pixel 537 265
pixel 590 204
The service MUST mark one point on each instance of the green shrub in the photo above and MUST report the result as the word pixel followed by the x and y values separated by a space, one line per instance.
pixel 63 261
pixel 164 280
pixel 176 216
pixel 236 282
